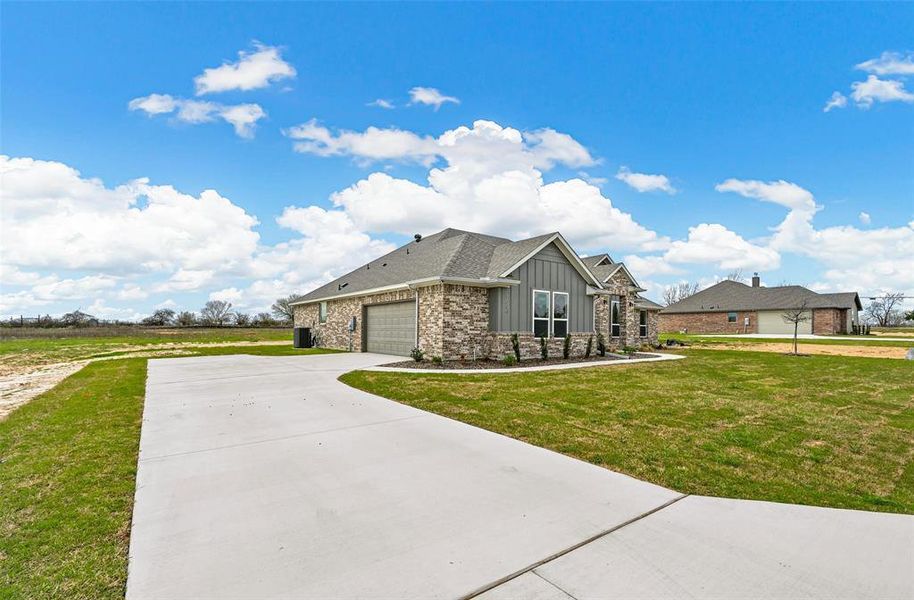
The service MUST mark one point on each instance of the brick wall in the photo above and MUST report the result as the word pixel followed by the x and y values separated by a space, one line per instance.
pixel 829 321
pixel 708 322
pixel 466 322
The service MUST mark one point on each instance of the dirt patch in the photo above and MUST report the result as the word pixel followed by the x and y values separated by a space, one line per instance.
pixel 830 350
pixel 25 375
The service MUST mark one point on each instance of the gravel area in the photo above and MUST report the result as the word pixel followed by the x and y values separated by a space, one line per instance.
pixel 498 364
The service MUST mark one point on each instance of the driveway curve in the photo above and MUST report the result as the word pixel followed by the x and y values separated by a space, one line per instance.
pixel 265 477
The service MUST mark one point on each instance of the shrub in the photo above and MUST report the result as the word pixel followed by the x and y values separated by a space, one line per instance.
pixel 515 343
pixel 629 350
pixel 437 360
pixel 589 348
pixel 509 360
pixel 417 354
pixel 566 346
pixel 601 345
pixel 544 349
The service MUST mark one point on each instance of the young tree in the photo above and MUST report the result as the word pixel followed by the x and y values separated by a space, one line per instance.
pixel 161 317
pixel 242 319
pixel 680 291
pixel 282 309
pixel 185 318
pixel 264 319
pixel 885 311
pixel 909 316
pixel 796 316
pixel 216 312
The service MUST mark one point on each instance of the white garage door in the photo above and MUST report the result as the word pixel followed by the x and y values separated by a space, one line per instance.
pixel 773 322
pixel 391 328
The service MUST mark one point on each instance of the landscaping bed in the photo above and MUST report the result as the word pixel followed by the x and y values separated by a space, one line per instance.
pixel 500 364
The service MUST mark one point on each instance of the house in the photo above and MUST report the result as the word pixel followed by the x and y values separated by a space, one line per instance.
pixel 734 307
pixel 460 294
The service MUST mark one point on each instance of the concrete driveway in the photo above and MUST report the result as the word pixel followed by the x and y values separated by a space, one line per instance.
pixel 264 477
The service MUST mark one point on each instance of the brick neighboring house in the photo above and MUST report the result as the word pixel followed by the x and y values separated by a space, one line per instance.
pixel 458 294
pixel 734 307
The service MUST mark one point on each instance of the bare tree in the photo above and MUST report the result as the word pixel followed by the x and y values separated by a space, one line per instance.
pixel 216 312
pixel 264 319
pixel 161 317
pixel 885 310
pixel 242 319
pixel 185 318
pixel 77 318
pixel 680 291
pixel 796 316
pixel 735 275
pixel 282 308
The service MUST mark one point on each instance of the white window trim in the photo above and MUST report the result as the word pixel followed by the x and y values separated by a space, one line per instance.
pixel 534 318
pixel 619 304
pixel 552 318
pixel 322 310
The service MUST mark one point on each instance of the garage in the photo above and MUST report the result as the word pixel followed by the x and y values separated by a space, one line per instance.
pixel 391 328
pixel 772 321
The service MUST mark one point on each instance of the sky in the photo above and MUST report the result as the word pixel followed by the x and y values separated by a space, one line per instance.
pixel 164 154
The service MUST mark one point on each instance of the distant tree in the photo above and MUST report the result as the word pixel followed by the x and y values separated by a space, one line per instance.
pixel 185 318
pixel 242 319
pixel 796 316
pixel 77 318
pixel 735 275
pixel 885 311
pixel 161 317
pixel 282 309
pixel 909 316
pixel 265 319
pixel 680 291
pixel 216 312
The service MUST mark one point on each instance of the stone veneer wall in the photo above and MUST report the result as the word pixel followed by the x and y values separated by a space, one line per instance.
pixel 466 322
pixel 629 316
pixel 708 322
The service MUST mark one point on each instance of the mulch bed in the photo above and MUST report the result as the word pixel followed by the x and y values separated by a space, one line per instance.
pixel 497 364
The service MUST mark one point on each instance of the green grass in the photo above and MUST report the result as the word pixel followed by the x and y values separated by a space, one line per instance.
pixel 67 480
pixel 819 430
pixel 851 340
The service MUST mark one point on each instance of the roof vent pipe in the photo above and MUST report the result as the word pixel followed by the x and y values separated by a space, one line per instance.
pixel 756 281
pixel 418 237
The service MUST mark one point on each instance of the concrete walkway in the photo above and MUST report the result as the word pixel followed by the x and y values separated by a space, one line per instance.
pixel 264 477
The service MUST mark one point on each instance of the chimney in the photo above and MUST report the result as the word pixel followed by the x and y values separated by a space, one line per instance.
pixel 756 281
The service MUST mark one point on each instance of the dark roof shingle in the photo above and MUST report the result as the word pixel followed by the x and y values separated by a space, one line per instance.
pixel 736 296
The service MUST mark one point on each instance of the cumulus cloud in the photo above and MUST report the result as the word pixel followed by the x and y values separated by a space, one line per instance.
pixel 253 69
pixel 712 243
pixel 864 218
pixel 242 117
pixel 889 63
pixel 382 103
pixel 837 100
pixel 780 192
pixel 644 182
pixel 430 96
pixel 491 180
pixel 865 93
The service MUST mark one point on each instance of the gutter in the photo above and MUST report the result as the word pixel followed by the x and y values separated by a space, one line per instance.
pixel 485 282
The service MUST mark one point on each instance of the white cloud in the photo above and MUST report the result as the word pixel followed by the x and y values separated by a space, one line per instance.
pixel 430 96
pixel 132 291
pixel 242 117
pixel 864 218
pixel 889 63
pixel 382 103
pixel 865 93
pixel 837 100
pixel 712 243
pixel 648 266
pixel 252 70
pixel 644 182
pixel 101 310
pixel 591 179
pixel 780 192
pixel 491 181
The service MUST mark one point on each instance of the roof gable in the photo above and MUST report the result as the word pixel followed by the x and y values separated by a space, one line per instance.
pixel 735 296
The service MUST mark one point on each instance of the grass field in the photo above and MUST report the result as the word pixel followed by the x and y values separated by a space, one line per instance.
pixel 851 340
pixel 826 431
pixel 67 480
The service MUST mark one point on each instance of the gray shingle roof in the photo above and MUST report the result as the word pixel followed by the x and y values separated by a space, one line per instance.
pixel 450 253
pixel 646 304
pixel 593 261
pixel 736 296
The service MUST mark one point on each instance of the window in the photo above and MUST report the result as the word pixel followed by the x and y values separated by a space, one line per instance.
pixel 322 313
pixel 615 325
pixel 540 313
pixel 559 314
pixel 642 328
pixel 731 317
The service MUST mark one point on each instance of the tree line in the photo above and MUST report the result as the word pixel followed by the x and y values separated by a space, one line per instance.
pixel 215 313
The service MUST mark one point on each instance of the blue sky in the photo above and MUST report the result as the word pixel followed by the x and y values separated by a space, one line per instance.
pixel 726 102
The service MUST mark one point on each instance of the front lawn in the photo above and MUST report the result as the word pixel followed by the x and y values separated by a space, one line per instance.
pixel 67 479
pixel 819 430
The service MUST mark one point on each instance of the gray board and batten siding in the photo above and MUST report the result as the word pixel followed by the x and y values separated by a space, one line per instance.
pixel 511 308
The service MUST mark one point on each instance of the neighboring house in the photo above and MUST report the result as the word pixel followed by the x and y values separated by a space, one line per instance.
pixel 460 294
pixel 734 307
